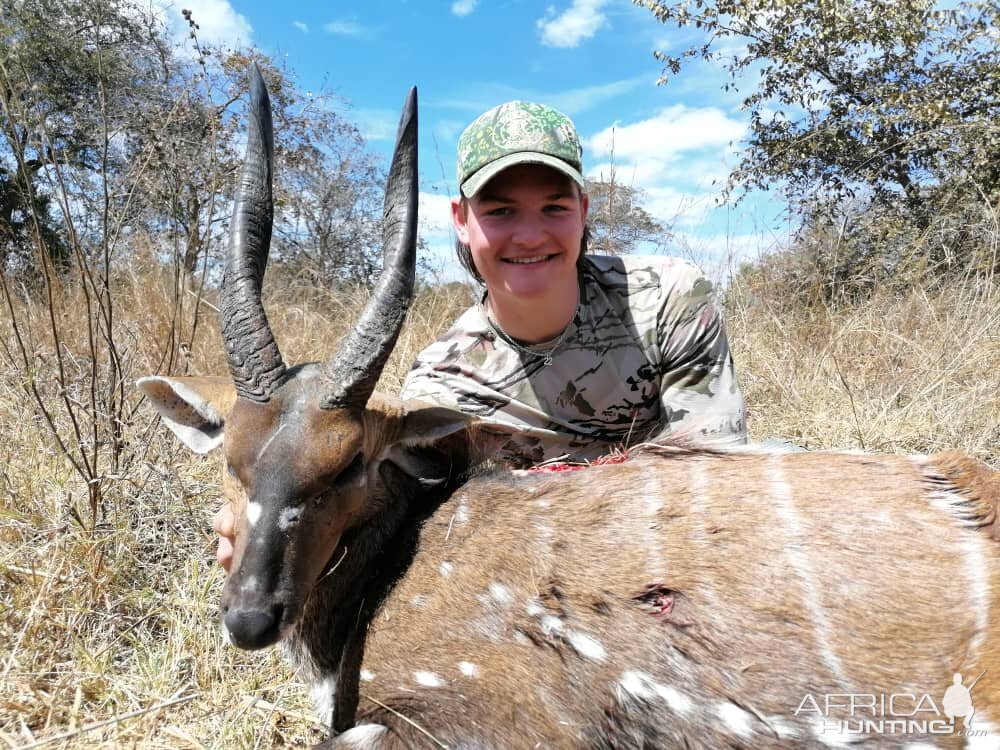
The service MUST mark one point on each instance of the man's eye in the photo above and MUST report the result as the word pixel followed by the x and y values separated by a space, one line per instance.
pixel 502 211
pixel 556 208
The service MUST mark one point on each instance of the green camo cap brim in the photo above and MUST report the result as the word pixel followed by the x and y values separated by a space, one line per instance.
pixel 472 185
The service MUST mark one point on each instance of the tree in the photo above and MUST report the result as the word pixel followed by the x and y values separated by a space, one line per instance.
pixel 617 220
pixel 888 102
pixel 68 71
pixel 329 191
pixel 113 143
pixel 110 139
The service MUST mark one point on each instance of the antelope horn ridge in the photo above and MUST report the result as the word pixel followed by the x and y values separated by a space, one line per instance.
pixel 253 356
pixel 352 373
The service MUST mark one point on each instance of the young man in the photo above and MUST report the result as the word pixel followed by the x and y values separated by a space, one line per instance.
pixel 581 354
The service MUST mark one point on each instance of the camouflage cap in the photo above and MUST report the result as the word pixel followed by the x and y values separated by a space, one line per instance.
pixel 517 133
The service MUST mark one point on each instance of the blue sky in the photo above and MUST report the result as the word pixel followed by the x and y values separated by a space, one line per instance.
pixel 593 59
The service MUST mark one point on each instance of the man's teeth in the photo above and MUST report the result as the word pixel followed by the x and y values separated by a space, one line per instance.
pixel 536 259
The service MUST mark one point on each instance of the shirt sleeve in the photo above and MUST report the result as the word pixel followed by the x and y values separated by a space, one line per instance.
pixel 424 383
pixel 700 396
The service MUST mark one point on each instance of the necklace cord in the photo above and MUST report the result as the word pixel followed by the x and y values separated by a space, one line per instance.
pixel 545 355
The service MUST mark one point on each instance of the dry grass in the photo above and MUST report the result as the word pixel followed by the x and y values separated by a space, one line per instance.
pixel 917 373
pixel 109 630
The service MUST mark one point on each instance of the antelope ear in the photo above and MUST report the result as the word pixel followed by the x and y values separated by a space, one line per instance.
pixel 195 409
pixel 436 444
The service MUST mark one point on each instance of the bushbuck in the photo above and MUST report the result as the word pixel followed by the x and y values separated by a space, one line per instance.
pixel 684 597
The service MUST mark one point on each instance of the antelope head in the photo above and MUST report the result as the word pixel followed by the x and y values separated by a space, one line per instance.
pixel 302 448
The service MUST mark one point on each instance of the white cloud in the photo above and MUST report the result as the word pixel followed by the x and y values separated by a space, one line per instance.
pixel 463 7
pixel 434 211
pixel 677 207
pixel 218 22
pixel 680 158
pixel 483 96
pixel 580 21
pixel 439 238
pixel 303 27
pixel 375 124
pixel 344 27
pixel 674 131
pixel 719 255
pixel 577 100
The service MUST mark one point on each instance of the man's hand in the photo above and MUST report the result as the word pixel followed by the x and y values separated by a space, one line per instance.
pixel 224 524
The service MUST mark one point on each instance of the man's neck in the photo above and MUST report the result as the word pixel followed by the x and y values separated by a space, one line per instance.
pixel 533 321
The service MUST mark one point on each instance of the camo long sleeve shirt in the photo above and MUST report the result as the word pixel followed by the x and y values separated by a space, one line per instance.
pixel 645 356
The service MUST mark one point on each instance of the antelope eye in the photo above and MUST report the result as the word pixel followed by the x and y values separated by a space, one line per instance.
pixel 353 473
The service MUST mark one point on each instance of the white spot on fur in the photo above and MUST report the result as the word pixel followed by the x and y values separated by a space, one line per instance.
pixel 446 568
pixel 428 679
pixel 785 730
pixel 640 685
pixel 468 669
pixel 735 718
pixel 636 684
pixel 920 746
pixel 521 639
pixel 675 699
pixel 419 601
pixel 289 517
pixel 367 675
pixel 830 739
pixel 551 624
pixel 253 512
pixel 500 593
pixel 586 646
pixel 323 693
pixel 802 565
pixel 361 736
pixel 534 609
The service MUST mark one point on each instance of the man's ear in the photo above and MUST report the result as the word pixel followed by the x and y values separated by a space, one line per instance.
pixel 460 219
pixel 195 409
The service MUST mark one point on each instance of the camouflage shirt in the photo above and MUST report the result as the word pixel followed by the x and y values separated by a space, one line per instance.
pixel 646 355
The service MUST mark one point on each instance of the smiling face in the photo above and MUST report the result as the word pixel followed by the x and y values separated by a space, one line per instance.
pixel 524 229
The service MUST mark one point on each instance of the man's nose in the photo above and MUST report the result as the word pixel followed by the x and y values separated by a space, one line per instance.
pixel 529 232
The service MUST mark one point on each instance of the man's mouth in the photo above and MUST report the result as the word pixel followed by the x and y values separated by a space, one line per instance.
pixel 528 261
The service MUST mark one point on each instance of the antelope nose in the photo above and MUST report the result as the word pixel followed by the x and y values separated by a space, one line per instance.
pixel 253 627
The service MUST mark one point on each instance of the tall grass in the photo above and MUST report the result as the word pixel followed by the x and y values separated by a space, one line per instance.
pixel 911 371
pixel 108 622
